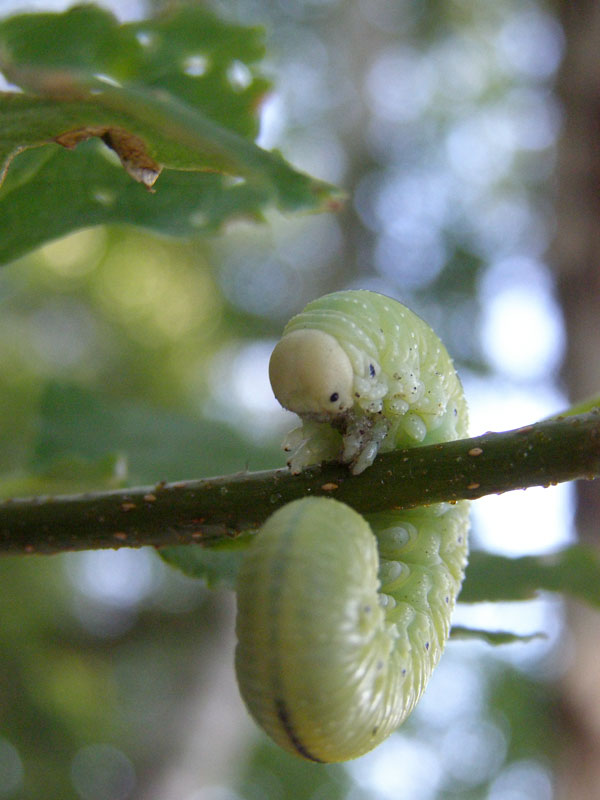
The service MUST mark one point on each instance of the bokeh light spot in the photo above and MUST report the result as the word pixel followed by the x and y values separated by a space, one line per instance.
pixel 522 333
pixel 100 772
pixel 11 769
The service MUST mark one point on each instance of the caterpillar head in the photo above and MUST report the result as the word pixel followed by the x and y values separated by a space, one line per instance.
pixel 311 375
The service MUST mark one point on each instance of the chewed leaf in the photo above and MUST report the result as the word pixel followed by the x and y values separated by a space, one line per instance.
pixel 493 637
pixel 176 94
pixel 48 54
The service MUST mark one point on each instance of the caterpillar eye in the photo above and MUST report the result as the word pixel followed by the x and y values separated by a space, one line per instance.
pixel 326 685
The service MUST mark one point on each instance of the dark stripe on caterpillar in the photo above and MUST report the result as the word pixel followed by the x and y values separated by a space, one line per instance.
pixel 284 718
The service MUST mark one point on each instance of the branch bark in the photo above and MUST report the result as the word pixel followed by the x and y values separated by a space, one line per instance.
pixel 207 510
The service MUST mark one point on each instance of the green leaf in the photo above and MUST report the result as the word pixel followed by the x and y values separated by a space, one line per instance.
pixel 582 407
pixel 188 53
pixel 188 203
pixel 492 637
pixel 269 771
pixel 158 444
pixel 574 570
pixel 66 474
pixel 176 94
pixel 217 566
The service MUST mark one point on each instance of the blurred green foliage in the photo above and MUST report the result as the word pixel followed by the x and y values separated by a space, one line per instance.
pixel 574 570
pixel 105 345
pixel 271 772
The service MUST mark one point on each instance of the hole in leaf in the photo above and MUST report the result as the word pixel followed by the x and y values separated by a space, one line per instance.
pixel 145 38
pixel 196 65
pixel 239 76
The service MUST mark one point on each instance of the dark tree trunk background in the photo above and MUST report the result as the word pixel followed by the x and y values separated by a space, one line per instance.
pixel 576 255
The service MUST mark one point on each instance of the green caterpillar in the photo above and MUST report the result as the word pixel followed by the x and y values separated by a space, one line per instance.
pixel 342 619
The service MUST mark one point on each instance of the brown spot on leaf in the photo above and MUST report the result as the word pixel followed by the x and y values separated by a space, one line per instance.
pixel 130 149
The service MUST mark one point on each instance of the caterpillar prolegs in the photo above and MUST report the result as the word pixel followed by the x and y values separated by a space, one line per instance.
pixel 341 619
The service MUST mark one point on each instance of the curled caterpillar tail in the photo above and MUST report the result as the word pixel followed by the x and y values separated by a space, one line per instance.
pixel 335 647
pixel 342 620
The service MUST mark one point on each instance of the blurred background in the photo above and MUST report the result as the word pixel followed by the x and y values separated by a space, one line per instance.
pixel 465 134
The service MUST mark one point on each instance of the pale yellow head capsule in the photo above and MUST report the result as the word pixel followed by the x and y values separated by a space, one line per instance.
pixel 311 374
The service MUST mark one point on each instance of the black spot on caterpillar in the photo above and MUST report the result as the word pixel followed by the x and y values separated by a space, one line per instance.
pixel 342 619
